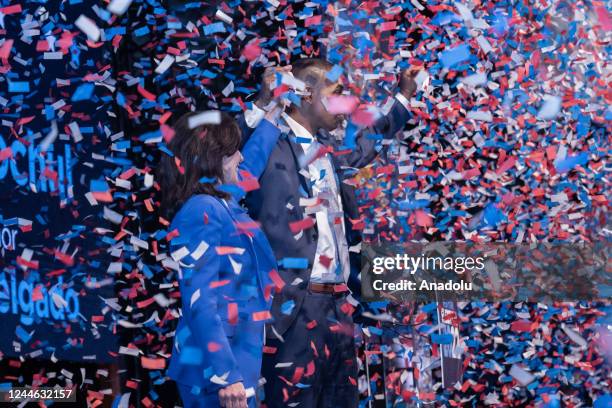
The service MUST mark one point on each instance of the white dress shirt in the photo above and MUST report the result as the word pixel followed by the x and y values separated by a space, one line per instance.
pixel 334 267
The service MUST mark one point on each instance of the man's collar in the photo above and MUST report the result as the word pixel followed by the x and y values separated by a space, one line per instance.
pixel 300 132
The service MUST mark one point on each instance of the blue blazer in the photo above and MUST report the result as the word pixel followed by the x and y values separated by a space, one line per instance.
pixel 225 261
pixel 276 203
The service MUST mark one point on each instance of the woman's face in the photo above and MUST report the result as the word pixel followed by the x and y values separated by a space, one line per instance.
pixel 230 167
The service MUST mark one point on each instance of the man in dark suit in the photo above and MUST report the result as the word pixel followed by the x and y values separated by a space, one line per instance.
pixel 304 209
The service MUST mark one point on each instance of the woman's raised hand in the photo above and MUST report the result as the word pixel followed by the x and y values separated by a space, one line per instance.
pixel 233 396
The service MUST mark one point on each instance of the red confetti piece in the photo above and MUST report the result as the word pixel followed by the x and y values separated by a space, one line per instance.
pixel 153 363
pixel 232 313
pixel 522 326
pixel 269 350
pixel 146 94
pixel 252 51
pixel 226 250
pixel 14 9
pixel 279 283
pixel 217 284
pixel 6 153
pixel 259 316
pixel 314 20
pixel 213 347
pixel 298 226
pixel 5 49
pixel 423 219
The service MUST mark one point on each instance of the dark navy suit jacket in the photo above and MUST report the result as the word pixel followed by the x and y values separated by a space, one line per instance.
pixel 225 267
pixel 276 204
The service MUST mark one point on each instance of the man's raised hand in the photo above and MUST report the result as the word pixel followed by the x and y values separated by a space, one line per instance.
pixel 265 93
pixel 407 84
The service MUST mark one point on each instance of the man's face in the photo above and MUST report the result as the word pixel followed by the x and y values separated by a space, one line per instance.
pixel 323 90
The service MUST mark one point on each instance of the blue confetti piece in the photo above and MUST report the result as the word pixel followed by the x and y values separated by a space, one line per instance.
pixel 445 338
pixel 287 307
pixel 334 73
pixel 23 335
pixel 567 164
pixel 455 55
pixel 493 215
pixel 191 356
pixel 83 92
pixel 294 263
pixel 211 180
pixel 214 28
pixel 98 186
pixel 350 135
pixel 430 307
pixel 18 86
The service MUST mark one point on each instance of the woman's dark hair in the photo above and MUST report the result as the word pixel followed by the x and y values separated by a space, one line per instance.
pixel 197 164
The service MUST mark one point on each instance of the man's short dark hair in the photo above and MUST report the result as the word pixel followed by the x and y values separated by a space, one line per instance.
pixel 305 69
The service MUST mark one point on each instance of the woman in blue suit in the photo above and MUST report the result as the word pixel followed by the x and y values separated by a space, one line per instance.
pixel 224 259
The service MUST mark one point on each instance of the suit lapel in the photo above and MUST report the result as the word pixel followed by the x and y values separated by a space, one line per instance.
pixel 297 152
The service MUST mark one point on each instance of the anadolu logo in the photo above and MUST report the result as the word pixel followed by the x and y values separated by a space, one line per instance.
pixel 32 301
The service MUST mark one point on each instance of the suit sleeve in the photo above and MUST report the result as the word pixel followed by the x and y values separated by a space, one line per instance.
pixel 199 294
pixel 365 147
pixel 248 121
pixel 258 148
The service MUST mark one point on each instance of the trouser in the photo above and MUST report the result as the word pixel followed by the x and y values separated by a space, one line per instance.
pixel 315 365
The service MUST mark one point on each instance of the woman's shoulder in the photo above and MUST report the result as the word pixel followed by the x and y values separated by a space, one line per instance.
pixel 200 205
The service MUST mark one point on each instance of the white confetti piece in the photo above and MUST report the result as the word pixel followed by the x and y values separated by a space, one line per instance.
pixel 205 118
pixel 59 301
pixel 224 17
pixel 180 253
pixel 162 300
pixel 228 89
pixel 464 12
pixel 236 266
pixel 202 247
pixel 148 180
pixel 215 379
pixel 521 375
pixel 194 297
pixel 476 79
pixel 484 44
pixel 164 64
pixel 129 351
pixel 480 115
pixel 550 108
pixel 119 7
pixel 574 336
pixel 291 81
pixel 89 27
pixel 112 216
